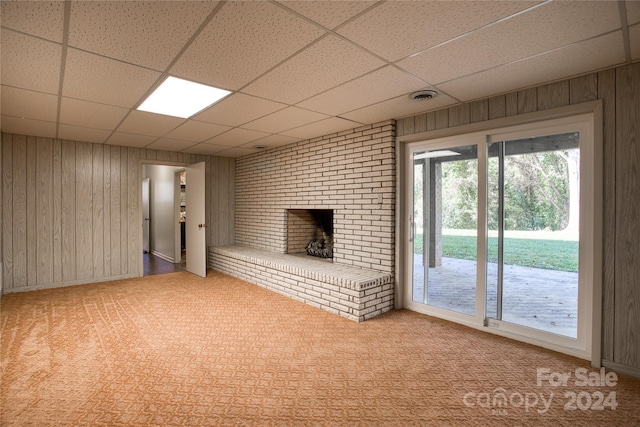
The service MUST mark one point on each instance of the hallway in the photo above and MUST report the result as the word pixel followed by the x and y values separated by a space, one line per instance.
pixel 153 265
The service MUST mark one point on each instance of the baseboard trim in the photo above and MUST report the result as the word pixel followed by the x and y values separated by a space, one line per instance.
pixel 622 369
pixel 163 256
pixel 69 283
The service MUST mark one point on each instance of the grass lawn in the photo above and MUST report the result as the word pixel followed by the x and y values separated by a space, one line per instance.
pixel 560 255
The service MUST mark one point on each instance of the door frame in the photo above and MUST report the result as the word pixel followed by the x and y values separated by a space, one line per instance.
pixel 447 143
pixel 146 222
pixel 593 109
pixel 177 190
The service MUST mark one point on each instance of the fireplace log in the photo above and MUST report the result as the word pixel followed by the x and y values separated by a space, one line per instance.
pixel 320 248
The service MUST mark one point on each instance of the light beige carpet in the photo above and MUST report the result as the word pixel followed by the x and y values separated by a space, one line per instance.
pixel 179 350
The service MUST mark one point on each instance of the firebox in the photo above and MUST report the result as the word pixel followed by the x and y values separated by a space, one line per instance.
pixel 310 231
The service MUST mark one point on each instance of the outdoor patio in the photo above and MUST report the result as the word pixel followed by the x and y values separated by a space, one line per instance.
pixel 533 297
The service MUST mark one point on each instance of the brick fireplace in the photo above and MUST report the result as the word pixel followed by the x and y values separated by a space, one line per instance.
pixel 352 172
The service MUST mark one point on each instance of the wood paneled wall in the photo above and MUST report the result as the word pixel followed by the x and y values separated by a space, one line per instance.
pixel 222 190
pixel 626 306
pixel 1 211
pixel 70 209
pixel 619 89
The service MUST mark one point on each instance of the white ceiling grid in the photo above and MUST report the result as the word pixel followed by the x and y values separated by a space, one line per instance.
pixel 297 69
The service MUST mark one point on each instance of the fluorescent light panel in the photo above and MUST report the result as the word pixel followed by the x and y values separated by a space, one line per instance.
pixel 433 154
pixel 181 98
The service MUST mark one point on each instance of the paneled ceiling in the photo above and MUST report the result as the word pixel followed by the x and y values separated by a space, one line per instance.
pixel 296 69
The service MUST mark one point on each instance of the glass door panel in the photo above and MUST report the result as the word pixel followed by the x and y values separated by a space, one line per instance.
pixel 444 228
pixel 532 244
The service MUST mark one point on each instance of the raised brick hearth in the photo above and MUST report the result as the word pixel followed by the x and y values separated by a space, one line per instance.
pixel 355 293
pixel 351 173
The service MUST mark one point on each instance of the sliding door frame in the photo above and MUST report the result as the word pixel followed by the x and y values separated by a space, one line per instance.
pixel 591 229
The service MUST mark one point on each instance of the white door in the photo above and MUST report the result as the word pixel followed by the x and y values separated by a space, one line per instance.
pixel 195 223
pixel 145 215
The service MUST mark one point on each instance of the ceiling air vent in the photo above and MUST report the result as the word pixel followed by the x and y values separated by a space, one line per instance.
pixel 423 95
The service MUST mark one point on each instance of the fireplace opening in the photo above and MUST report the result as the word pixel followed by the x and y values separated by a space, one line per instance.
pixel 310 232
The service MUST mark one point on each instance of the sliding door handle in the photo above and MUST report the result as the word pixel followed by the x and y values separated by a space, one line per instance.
pixel 412 229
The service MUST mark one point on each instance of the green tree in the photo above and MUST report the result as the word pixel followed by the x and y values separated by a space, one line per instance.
pixel 536 191
pixel 540 191
pixel 460 194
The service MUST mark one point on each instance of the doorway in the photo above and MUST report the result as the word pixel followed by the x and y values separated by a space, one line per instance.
pixel 161 216
pixel 180 185
pixel 449 178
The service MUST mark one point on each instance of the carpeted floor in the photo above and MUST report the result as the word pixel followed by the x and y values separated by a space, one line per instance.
pixel 179 350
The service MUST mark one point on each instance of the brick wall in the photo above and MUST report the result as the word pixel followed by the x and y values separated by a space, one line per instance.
pixel 351 172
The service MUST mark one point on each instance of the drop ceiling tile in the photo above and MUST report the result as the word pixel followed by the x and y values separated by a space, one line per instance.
pixel 143 123
pixel 78 133
pixel 236 137
pixel 238 109
pixel 28 127
pixel 388 82
pixel 545 28
pixel 237 152
pixel 108 28
pixel 284 119
pixel 206 149
pixel 579 58
pixel 130 140
pixel 30 63
pixel 398 29
pixel 98 79
pixel 398 107
pixel 329 17
pixel 633 12
pixel 272 141
pixel 244 40
pixel 321 128
pixel 220 150
pixel 168 144
pixel 196 131
pixel 30 105
pixel 38 18
pixel 328 63
pixel 89 114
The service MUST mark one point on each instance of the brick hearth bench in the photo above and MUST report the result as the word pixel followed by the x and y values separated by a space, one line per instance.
pixel 355 293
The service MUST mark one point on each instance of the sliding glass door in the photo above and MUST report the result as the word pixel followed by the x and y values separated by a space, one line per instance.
pixel 533 208
pixel 500 235
pixel 444 224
